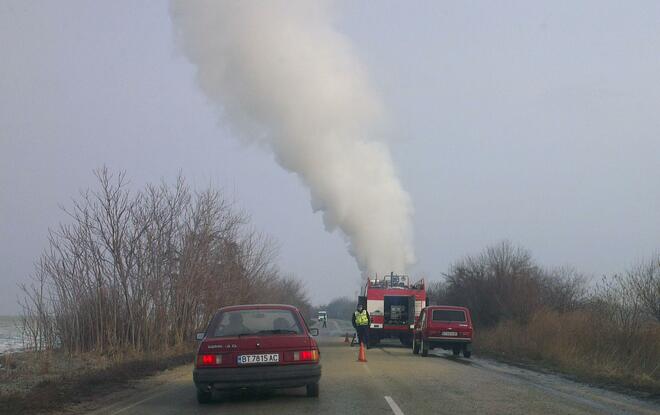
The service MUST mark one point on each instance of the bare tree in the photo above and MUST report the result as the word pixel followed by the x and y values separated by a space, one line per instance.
pixel 644 280
pixel 143 270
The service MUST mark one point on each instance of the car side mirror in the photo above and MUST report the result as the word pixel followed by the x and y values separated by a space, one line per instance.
pixel 314 331
pixel 200 336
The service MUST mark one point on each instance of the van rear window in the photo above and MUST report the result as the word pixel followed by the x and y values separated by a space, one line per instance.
pixel 448 315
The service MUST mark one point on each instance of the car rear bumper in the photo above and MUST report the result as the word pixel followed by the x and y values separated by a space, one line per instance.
pixel 451 339
pixel 444 341
pixel 287 376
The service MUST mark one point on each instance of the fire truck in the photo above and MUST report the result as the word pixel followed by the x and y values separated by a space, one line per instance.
pixel 394 305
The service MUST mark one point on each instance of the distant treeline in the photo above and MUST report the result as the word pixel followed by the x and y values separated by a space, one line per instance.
pixel 608 331
pixel 143 270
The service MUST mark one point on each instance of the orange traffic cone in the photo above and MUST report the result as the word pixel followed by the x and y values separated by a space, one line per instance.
pixel 362 357
pixel 346 338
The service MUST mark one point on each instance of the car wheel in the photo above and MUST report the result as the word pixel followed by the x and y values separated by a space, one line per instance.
pixel 456 351
pixel 425 348
pixel 415 346
pixel 467 353
pixel 204 396
pixel 313 390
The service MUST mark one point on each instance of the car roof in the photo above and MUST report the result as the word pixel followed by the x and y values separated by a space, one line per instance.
pixel 258 307
pixel 446 307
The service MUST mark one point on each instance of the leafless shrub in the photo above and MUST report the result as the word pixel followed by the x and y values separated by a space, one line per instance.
pixel 504 282
pixel 582 342
pixel 563 289
pixel 437 293
pixel 644 280
pixel 143 270
pixel 631 298
pixel 616 300
pixel 549 315
pixel 501 282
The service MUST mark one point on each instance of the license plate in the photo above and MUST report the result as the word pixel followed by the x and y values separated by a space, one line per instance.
pixel 248 359
pixel 450 333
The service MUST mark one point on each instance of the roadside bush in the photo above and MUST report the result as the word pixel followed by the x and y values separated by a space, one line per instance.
pixel 144 270
pixel 584 343
pixel 437 293
pixel 633 296
pixel 504 283
pixel 611 334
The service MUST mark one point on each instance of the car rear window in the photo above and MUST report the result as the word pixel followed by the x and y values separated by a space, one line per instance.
pixel 448 315
pixel 261 322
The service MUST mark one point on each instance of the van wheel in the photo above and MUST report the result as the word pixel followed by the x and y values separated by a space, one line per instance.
pixel 467 353
pixel 415 346
pixel 456 351
pixel 425 348
pixel 313 390
pixel 203 396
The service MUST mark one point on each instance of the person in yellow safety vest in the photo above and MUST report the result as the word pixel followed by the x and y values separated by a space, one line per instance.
pixel 361 322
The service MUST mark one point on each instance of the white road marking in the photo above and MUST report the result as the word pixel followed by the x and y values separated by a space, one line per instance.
pixel 394 406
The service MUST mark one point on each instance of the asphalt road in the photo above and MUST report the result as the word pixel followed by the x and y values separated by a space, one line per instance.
pixel 393 381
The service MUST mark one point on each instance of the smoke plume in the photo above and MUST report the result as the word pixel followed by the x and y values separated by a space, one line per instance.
pixel 281 75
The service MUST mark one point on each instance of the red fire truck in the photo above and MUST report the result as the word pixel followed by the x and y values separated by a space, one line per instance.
pixel 394 305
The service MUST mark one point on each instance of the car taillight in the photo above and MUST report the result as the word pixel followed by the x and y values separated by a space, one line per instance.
pixel 209 359
pixel 306 355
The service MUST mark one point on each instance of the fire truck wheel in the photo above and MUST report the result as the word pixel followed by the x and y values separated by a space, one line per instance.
pixel 415 346
pixel 425 348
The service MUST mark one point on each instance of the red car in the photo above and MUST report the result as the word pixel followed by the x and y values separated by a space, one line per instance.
pixel 443 326
pixel 257 346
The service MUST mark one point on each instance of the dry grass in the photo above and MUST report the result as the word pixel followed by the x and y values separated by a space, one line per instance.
pixel 42 382
pixel 581 343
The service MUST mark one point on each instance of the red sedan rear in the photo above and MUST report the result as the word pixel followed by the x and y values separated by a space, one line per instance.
pixel 257 346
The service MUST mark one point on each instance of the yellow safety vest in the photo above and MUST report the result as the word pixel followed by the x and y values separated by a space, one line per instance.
pixel 361 319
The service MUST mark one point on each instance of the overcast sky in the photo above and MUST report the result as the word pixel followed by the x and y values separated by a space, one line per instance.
pixel 537 123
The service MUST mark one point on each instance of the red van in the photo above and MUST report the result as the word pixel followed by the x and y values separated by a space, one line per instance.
pixel 443 326
pixel 257 346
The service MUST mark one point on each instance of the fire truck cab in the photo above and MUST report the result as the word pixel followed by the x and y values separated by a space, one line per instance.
pixel 394 305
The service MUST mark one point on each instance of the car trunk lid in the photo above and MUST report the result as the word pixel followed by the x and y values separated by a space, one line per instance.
pixel 233 347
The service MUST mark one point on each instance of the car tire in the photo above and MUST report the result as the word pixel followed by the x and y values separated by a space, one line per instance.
pixel 203 396
pixel 415 346
pixel 313 390
pixel 425 348
pixel 456 351
pixel 467 353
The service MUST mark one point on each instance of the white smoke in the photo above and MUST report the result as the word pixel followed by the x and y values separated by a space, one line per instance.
pixel 283 76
